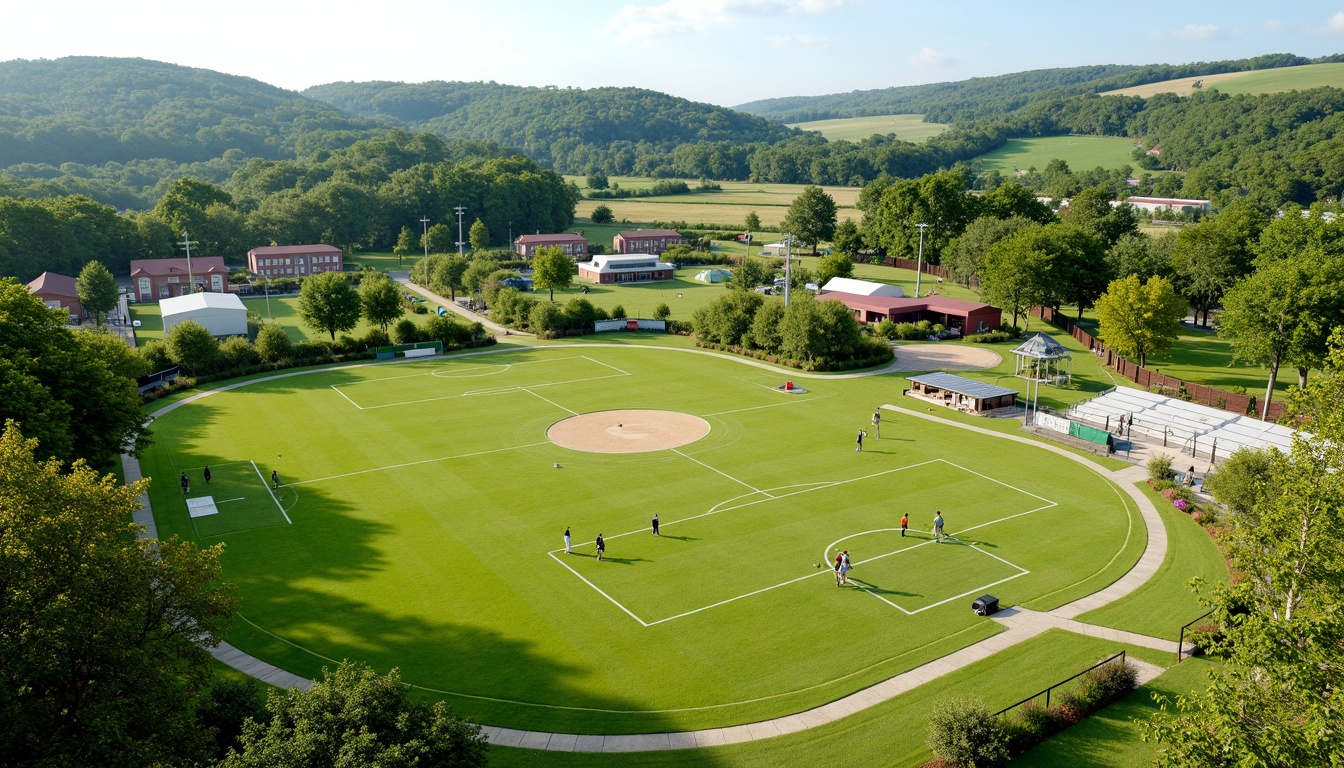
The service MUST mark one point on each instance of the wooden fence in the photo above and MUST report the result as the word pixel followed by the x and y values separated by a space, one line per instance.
pixel 1168 385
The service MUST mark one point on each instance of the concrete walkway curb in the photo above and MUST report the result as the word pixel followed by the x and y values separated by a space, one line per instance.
pixel 1020 624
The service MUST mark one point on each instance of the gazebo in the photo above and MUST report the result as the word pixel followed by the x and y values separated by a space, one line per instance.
pixel 1041 358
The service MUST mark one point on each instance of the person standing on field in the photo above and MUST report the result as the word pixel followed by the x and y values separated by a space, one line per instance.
pixel 862 435
pixel 275 479
pixel 938 527
pixel 844 567
pixel 601 546
pixel 207 474
pixel 877 424
pixel 566 539
pixel 905 524
pixel 655 524
pixel 186 483
pixel 839 558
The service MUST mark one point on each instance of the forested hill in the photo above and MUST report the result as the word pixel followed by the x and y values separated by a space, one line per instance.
pixel 95 110
pixel 560 127
pixel 982 97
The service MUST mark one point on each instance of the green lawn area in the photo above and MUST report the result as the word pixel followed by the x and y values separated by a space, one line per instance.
pixel 423 508
pixel 283 310
pixel 1161 606
pixel 906 127
pixel 1080 152
pixel 725 209
pixel 893 733
pixel 1277 80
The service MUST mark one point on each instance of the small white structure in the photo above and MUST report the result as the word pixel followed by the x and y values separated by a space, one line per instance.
pixel 714 276
pixel 1041 358
pixel 222 314
pixel 862 288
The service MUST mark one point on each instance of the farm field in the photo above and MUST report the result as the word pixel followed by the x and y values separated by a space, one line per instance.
pixel 1258 81
pixel 725 209
pixel 418 515
pixel 1080 152
pixel 906 127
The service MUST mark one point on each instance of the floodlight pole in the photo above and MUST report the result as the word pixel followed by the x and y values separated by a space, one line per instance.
pixel 460 210
pixel 788 266
pixel 424 237
pixel 919 265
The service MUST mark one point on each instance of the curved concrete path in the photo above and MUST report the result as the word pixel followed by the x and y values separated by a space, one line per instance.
pixel 1020 624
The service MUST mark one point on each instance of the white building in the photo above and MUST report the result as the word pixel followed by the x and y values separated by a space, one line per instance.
pixel 222 314
pixel 627 268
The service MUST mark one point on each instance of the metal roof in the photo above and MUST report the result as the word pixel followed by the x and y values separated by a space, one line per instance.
pixel 1042 347
pixel 962 386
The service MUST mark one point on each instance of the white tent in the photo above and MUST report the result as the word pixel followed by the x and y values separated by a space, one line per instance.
pixel 222 314
pixel 714 276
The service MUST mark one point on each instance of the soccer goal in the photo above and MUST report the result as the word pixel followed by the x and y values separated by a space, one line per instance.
pixel 418 349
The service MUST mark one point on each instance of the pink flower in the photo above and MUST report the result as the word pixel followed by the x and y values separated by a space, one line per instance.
pixel 1181 504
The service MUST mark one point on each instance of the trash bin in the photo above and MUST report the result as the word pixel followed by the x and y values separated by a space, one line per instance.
pixel 985 605
pixel 788 386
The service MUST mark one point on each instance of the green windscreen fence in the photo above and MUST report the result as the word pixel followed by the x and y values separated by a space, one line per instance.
pixel 1090 434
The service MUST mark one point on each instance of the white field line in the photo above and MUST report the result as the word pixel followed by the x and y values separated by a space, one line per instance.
pixel 606 365
pixel 980 589
pixel 226 501
pixel 808 488
pixel 488 391
pixel 771 405
pixel 267 486
pixel 552 402
pixel 416 463
pixel 599 591
pixel 1000 482
pixel 721 472
pixel 538 385
pixel 347 397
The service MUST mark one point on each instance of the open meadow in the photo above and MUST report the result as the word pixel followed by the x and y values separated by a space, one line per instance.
pixel 416 516
pixel 1080 152
pixel 906 127
pixel 1277 80
pixel 723 209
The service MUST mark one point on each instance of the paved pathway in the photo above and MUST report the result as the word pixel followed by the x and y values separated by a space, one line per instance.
pixel 452 306
pixel 1019 625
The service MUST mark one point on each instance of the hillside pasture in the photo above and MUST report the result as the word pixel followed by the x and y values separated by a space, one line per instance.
pixel 906 127
pixel 727 208
pixel 1080 152
pixel 1259 81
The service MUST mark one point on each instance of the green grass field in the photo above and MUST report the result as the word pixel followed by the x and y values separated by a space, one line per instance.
pixel 906 127
pixel 425 517
pixel 283 310
pixel 1260 81
pixel 727 208
pixel 1080 152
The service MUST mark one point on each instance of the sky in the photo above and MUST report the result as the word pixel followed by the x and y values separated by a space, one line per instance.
pixel 724 52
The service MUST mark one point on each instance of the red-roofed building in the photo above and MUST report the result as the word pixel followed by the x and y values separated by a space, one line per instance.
pixel 575 246
pixel 968 316
pixel 58 292
pixel 154 279
pixel 653 241
pixel 294 260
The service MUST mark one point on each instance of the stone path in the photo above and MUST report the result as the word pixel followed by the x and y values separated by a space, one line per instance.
pixel 1020 625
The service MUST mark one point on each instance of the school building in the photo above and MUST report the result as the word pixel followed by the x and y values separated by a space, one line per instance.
pixel 631 268
pixel 294 260
pixel 574 246
pixel 154 279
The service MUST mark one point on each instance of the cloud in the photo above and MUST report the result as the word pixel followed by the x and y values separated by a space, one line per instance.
pixel 929 58
pixel 1336 22
pixel 811 42
pixel 1198 32
pixel 680 17
pixel 1272 25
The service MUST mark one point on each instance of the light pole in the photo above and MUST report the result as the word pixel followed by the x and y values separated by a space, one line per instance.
pixel 788 266
pixel 424 237
pixel 266 287
pixel 460 211
pixel 919 265
pixel 191 282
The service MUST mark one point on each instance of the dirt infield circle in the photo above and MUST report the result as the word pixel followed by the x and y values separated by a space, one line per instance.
pixel 630 431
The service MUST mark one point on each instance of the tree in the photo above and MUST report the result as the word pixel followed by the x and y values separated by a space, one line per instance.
pixel 74 391
pixel 103 635
pixel 380 300
pixel 1014 273
pixel 1077 270
pixel 552 268
pixel 448 274
pixel 481 267
pixel 753 222
pixel 964 732
pixel 183 206
pixel 1283 306
pixel 1091 210
pixel 478 236
pixel 273 344
pixel 846 238
pixel 439 239
pixel 937 199
pixel 811 217
pixel 596 179
pixel 354 716
pixel 602 215
pixel 747 275
pixel 97 290
pixel 966 254
pixel 662 312
pixel 838 264
pixel 1139 319
pixel 407 243
pixel 191 346
pixel 327 302
pixel 1139 254
pixel 1275 701
pixel 1209 257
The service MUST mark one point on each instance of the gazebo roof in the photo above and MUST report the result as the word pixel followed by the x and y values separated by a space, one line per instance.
pixel 1042 347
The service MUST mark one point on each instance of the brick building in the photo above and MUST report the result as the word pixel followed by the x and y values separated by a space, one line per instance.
pixel 58 292
pixel 576 246
pixel 154 279
pixel 294 260
pixel 653 241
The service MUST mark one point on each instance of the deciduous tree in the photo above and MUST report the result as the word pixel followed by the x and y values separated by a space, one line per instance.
pixel 838 264
pixel 602 214
pixel 811 217
pixel 478 236
pixel 191 346
pixel 327 302
pixel 749 274
pixel 552 268
pixel 753 222
pixel 97 290
pixel 1139 319
pixel 380 299
pixel 439 239
pixel 1014 275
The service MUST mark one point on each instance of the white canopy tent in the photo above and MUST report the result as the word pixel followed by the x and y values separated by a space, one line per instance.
pixel 222 314
pixel 714 276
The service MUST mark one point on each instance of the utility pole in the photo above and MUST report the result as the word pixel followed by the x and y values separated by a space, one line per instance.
pixel 788 266
pixel 919 265
pixel 191 281
pixel 424 236
pixel 460 210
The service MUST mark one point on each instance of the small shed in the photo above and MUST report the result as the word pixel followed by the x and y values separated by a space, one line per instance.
pixel 714 276
pixel 1041 358
pixel 222 314
pixel 961 393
